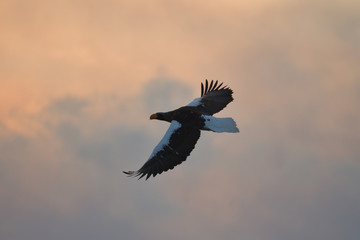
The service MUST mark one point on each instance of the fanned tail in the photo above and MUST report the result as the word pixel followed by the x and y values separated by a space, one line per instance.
pixel 220 124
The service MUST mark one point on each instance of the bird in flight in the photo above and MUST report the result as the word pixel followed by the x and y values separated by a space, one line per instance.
pixel 184 131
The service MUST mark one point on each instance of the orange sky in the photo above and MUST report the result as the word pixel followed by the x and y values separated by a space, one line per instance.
pixel 80 79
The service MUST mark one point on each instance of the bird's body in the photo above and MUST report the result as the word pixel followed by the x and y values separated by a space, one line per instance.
pixel 187 116
pixel 184 131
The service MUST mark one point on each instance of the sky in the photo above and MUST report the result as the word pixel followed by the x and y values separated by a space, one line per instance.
pixel 81 78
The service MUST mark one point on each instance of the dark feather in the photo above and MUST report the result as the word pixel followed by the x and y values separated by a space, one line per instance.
pixel 206 86
pixel 215 84
pixel 214 98
pixel 218 87
pixel 202 89
pixel 211 84
pixel 181 143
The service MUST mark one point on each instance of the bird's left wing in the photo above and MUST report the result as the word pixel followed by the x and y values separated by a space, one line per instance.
pixel 173 149
pixel 213 98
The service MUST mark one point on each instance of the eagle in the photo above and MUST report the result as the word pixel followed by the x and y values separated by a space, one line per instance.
pixel 185 126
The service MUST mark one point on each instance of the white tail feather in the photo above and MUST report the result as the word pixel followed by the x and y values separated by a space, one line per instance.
pixel 220 124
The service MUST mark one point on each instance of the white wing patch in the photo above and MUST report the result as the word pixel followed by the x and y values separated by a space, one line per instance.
pixel 220 124
pixel 165 140
pixel 196 102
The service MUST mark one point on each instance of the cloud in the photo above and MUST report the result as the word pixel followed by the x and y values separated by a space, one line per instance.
pixel 69 105
pixel 78 91
pixel 165 93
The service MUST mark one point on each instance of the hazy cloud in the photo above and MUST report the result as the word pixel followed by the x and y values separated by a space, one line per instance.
pixel 81 79
pixel 166 94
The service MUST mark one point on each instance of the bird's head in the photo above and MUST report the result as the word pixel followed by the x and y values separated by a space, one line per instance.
pixel 158 116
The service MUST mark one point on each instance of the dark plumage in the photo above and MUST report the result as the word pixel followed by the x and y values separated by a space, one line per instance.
pixel 184 131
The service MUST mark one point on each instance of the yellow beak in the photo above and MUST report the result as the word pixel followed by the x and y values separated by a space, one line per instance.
pixel 153 116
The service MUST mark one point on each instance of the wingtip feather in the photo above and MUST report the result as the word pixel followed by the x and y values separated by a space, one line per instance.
pixel 218 86
pixel 206 86
pixel 128 172
pixel 214 87
pixel 132 173
pixel 211 84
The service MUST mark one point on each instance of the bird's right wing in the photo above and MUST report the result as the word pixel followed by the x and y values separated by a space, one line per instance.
pixel 213 98
pixel 173 149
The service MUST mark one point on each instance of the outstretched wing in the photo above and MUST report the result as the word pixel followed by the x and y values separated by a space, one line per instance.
pixel 173 149
pixel 213 98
